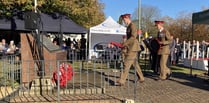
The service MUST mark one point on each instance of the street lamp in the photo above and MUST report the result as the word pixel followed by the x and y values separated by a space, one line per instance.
pixel 139 14
pixel 139 19
pixel 139 37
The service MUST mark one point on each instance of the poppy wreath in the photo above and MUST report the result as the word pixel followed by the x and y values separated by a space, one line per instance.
pixel 65 74
pixel 117 44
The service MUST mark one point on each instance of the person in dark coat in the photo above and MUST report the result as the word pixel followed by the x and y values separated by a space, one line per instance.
pixel 172 57
pixel 83 48
pixel 154 55
pixel 178 50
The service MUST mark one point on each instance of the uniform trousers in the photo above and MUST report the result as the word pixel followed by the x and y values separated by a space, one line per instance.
pixel 164 70
pixel 130 60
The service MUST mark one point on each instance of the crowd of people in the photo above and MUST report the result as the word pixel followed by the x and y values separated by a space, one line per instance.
pixel 7 49
pixel 179 50
pixel 76 49
pixel 196 49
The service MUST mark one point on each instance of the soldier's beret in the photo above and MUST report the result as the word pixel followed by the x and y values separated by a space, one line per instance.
pixel 158 22
pixel 125 16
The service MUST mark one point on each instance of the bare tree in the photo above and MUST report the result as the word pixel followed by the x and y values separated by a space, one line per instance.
pixel 180 27
pixel 148 15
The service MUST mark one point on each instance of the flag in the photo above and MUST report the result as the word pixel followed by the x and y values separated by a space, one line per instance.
pixel 146 35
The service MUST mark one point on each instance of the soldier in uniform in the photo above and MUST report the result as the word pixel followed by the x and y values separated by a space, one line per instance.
pixel 164 39
pixel 132 48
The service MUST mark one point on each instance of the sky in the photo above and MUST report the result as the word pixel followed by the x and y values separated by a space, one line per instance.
pixel 172 8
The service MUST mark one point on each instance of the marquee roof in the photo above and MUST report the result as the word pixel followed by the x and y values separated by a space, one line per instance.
pixel 48 23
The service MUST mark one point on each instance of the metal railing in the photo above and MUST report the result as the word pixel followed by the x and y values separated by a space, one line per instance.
pixel 92 80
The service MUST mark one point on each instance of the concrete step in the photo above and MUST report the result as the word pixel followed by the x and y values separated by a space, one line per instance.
pixel 6 91
pixel 45 83
pixel 63 91
pixel 46 86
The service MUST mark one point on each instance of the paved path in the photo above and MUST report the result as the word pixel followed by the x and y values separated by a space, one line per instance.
pixel 181 88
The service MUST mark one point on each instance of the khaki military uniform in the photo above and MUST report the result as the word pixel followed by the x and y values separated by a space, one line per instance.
pixel 131 46
pixel 165 37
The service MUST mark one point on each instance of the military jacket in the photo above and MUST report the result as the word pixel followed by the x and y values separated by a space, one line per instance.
pixel 165 37
pixel 132 44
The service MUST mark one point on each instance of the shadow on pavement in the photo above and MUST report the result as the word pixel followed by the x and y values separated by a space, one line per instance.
pixel 196 81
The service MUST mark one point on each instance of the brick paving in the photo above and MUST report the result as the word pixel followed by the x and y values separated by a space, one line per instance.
pixel 181 88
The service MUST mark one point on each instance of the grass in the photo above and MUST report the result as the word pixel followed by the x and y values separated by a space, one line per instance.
pixel 175 68
pixel 143 63
pixel 95 65
pixel 187 70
